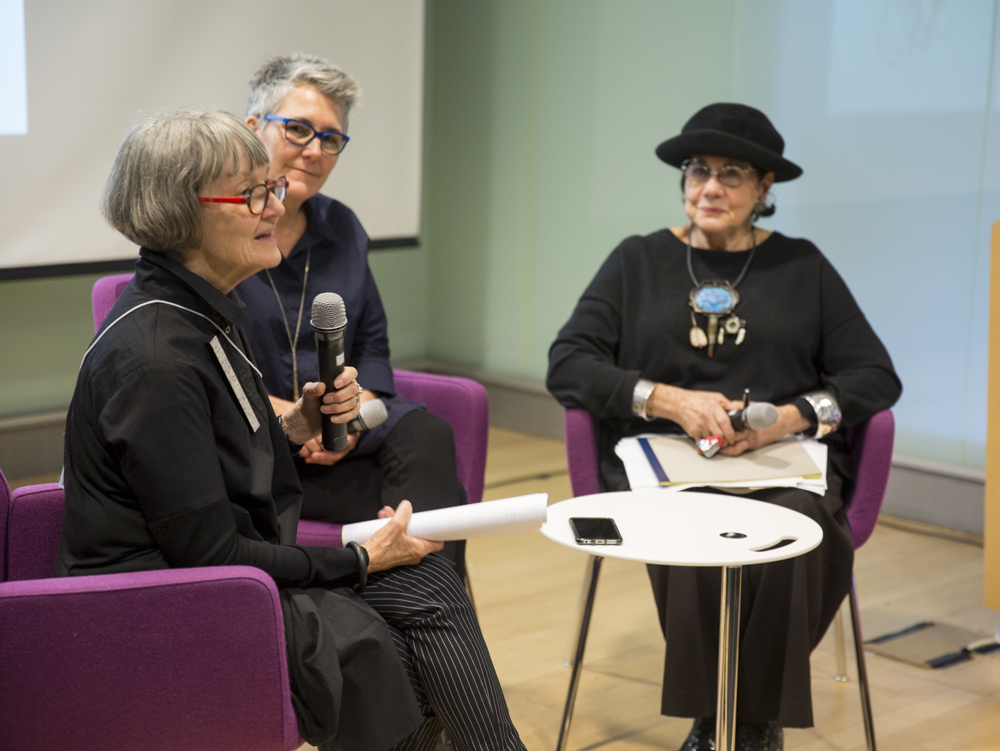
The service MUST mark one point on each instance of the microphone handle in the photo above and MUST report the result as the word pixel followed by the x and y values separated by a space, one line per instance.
pixel 330 351
pixel 736 417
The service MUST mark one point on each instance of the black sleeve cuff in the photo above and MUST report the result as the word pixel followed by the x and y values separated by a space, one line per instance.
pixel 363 560
pixel 807 411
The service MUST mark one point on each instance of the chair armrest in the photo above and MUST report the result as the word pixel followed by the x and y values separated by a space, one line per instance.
pixel 871 457
pixel 581 452
pixel 182 658
pixel 319 533
pixel 34 524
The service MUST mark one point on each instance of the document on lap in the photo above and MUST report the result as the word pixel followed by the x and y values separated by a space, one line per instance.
pixel 671 462
pixel 501 518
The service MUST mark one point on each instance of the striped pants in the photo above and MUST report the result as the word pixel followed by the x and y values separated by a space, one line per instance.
pixel 436 632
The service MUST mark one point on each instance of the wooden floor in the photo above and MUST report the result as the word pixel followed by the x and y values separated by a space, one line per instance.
pixel 527 590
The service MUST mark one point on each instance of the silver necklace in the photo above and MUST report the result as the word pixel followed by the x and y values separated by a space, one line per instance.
pixel 715 298
pixel 293 341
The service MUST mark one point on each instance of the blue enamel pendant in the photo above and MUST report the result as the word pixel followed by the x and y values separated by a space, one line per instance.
pixel 714 298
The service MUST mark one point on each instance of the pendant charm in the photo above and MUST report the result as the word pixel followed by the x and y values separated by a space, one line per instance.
pixel 713 325
pixel 697 336
pixel 722 334
pixel 713 298
pixel 732 324
pixel 741 335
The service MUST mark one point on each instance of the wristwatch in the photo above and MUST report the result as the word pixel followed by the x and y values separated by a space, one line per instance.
pixel 640 396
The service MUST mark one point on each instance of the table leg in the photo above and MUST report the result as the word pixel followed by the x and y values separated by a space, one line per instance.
pixel 590 585
pixel 729 655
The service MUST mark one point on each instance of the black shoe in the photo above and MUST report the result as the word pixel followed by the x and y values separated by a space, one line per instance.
pixel 766 737
pixel 702 736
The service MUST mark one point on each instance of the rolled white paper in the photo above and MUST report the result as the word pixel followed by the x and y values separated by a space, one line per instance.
pixel 502 518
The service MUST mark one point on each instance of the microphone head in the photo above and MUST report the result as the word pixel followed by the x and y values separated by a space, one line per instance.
pixel 760 415
pixel 328 312
pixel 373 414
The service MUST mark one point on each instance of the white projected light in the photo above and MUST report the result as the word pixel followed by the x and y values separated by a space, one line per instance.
pixel 13 70
pixel 102 66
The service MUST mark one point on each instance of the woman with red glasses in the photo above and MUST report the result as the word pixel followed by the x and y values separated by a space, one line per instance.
pixel 299 106
pixel 175 459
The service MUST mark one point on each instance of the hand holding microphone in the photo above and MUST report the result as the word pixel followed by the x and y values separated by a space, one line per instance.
pixel 756 416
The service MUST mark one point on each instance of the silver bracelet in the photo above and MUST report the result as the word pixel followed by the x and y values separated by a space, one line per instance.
pixel 827 411
pixel 640 396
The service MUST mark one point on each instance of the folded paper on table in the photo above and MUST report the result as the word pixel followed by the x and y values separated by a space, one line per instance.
pixel 671 462
pixel 502 518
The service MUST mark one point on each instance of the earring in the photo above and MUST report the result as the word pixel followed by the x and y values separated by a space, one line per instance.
pixel 758 207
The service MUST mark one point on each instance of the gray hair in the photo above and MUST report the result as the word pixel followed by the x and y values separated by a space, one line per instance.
pixel 280 75
pixel 152 193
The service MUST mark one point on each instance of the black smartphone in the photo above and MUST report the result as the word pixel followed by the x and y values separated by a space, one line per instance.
pixel 595 531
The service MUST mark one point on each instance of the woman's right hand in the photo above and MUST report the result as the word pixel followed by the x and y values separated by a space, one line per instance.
pixel 699 413
pixel 391 546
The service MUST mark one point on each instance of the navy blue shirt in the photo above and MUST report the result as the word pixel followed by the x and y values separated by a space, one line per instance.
pixel 337 248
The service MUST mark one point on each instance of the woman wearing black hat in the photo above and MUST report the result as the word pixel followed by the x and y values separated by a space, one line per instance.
pixel 667 336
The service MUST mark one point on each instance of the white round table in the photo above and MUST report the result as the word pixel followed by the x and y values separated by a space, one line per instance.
pixel 685 529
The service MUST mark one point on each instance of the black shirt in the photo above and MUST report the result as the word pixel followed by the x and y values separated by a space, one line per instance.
pixel 163 467
pixel 804 331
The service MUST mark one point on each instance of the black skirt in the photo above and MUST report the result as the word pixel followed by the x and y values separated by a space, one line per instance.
pixel 349 689
pixel 785 609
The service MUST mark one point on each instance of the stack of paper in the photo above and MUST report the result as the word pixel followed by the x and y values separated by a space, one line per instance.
pixel 672 462
pixel 510 516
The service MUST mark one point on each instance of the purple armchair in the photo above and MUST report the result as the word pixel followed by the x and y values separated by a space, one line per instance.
pixel 871 460
pixel 182 658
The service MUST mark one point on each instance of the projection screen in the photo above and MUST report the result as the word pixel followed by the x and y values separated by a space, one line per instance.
pixel 94 68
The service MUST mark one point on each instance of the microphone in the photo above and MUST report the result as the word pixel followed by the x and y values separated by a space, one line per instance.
pixel 372 415
pixel 329 322
pixel 756 416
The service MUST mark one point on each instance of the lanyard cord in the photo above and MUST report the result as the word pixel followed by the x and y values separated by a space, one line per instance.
pixel 753 235
pixel 173 305
pixel 293 342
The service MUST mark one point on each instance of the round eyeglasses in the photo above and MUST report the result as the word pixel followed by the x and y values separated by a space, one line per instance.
pixel 301 133
pixel 730 175
pixel 256 197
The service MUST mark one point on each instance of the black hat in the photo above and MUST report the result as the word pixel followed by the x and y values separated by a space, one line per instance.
pixel 732 130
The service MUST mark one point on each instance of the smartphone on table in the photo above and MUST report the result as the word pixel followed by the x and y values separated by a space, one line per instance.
pixel 595 531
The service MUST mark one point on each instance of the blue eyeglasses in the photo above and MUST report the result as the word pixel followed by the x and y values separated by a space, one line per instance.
pixel 331 142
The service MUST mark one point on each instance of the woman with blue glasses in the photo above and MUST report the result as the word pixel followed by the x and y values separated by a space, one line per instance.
pixel 299 106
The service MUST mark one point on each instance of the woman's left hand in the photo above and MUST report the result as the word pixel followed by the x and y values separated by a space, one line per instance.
pixel 312 451
pixel 304 420
pixel 790 420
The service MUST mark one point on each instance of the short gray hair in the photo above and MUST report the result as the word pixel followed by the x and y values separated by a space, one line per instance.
pixel 152 193
pixel 278 76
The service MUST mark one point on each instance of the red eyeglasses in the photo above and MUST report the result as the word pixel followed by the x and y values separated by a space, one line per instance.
pixel 256 197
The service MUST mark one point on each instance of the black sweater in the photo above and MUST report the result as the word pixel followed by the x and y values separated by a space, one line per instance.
pixel 804 331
